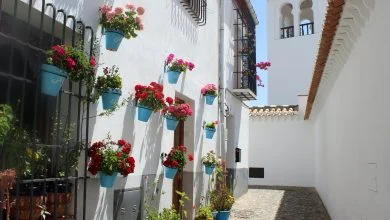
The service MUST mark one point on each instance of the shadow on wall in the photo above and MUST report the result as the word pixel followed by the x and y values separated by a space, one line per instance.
pixel 183 21
pixel 83 9
pixel 151 186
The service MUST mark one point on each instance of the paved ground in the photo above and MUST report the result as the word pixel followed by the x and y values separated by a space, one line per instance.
pixel 279 203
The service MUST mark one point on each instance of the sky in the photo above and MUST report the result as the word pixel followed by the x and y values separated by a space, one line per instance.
pixel 260 7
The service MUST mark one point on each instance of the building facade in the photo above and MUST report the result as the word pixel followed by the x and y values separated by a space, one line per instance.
pixel 211 34
pixel 294 29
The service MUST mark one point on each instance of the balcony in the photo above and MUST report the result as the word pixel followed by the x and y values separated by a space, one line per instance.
pixel 306 29
pixel 244 73
pixel 287 32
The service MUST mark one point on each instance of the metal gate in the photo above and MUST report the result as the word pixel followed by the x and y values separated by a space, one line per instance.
pixel 50 133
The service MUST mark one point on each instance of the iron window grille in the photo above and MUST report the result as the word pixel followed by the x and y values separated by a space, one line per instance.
pixel 244 53
pixel 287 32
pixel 23 45
pixel 197 9
pixel 306 29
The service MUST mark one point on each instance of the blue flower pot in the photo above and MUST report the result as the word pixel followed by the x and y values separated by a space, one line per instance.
pixel 144 113
pixel 170 172
pixel 215 213
pixel 210 99
pixel 209 169
pixel 173 76
pixel 210 133
pixel 223 215
pixel 110 98
pixel 52 79
pixel 107 180
pixel 172 122
pixel 113 39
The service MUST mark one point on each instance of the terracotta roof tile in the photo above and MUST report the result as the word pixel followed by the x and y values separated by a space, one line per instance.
pixel 332 19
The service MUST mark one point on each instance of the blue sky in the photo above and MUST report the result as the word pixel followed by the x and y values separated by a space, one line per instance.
pixel 260 7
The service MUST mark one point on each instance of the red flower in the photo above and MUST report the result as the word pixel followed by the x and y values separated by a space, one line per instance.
pixel 71 64
pixel 121 142
pixel 174 164
pixel 190 157
pixel 169 100
pixel 126 150
pixel 119 154
pixel 92 61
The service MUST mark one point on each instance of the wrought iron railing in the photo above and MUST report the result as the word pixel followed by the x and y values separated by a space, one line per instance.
pixel 197 9
pixel 245 53
pixel 43 146
pixel 306 29
pixel 287 32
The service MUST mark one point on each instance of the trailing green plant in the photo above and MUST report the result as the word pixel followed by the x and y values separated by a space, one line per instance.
pixel 72 60
pixel 110 80
pixel 204 213
pixel 6 120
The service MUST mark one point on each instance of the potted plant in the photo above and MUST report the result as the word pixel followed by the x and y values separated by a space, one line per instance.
pixel 176 67
pixel 63 62
pixel 120 22
pixel 176 111
pixel 222 200
pixel 175 160
pixel 109 87
pixel 149 99
pixel 108 158
pixel 210 129
pixel 204 213
pixel 210 92
pixel 209 161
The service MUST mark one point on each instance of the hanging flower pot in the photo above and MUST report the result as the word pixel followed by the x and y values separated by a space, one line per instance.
pixel 177 66
pixel 209 169
pixel 170 173
pixel 108 158
pixel 107 180
pixel 109 87
pixel 223 215
pixel 63 62
pixel 210 99
pixel 52 79
pixel 173 76
pixel 110 98
pixel 144 113
pixel 175 111
pixel 113 39
pixel 172 122
pixel 149 98
pixel 120 23
pixel 209 91
pixel 175 160
pixel 210 133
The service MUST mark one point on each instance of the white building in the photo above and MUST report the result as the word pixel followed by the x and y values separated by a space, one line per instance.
pixel 212 41
pixel 341 147
pixel 294 28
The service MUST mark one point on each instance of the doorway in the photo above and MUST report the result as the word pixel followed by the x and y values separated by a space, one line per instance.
pixel 178 180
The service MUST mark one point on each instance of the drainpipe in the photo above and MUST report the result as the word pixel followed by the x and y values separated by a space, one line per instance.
pixel 221 81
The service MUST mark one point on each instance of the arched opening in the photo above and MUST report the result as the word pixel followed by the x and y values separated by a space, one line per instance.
pixel 286 21
pixel 306 18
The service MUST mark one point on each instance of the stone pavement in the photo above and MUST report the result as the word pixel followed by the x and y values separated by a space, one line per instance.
pixel 279 203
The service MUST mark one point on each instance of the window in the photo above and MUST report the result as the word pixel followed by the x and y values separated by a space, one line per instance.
pixel 197 9
pixel 306 18
pixel 286 21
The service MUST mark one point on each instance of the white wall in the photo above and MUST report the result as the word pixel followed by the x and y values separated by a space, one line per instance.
pixel 292 58
pixel 284 147
pixel 352 129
